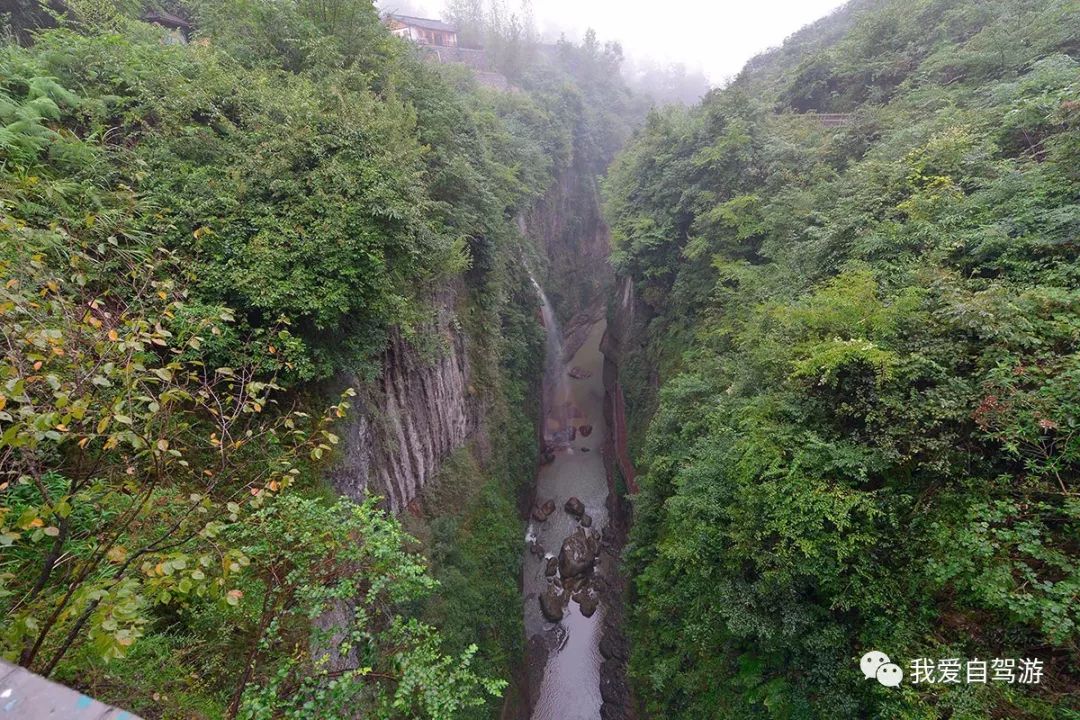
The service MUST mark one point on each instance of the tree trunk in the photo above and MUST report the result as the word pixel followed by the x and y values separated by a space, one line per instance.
pixel 268 612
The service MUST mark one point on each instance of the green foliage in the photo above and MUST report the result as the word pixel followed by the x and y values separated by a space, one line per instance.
pixel 25 132
pixel 102 407
pixel 312 559
pixel 470 524
pixel 866 340
pixel 125 455
pixel 189 237
pixel 475 550
pixel 326 198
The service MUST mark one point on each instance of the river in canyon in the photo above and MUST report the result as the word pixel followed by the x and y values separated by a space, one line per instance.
pixel 574 467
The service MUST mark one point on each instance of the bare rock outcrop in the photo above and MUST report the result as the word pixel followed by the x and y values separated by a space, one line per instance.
pixel 578 554
pixel 541 512
pixel 552 601
pixel 420 409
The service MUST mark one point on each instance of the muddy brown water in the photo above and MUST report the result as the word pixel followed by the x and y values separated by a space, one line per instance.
pixel 570 688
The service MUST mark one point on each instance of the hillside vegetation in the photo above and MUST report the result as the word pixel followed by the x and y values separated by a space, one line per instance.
pixel 192 239
pixel 856 393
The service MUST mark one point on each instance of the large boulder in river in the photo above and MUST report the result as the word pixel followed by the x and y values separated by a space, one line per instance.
pixel 573 584
pixel 592 539
pixel 551 603
pixel 586 430
pixel 552 567
pixel 575 507
pixel 577 555
pixel 541 513
pixel 588 601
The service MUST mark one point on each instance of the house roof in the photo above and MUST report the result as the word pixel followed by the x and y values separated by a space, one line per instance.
pixel 425 23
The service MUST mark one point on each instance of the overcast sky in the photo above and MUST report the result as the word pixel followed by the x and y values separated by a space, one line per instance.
pixel 717 37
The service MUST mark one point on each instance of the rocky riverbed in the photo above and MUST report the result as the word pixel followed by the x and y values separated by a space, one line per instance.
pixel 569 581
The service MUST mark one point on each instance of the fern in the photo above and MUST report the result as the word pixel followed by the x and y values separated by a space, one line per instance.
pixel 24 133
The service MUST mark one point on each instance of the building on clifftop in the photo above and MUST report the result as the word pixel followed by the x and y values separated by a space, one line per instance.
pixel 438 42
pixel 423 31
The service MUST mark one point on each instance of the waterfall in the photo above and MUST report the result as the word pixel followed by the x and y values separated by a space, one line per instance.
pixel 556 427
pixel 553 345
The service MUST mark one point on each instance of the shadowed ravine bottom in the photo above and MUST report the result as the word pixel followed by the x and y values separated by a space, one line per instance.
pixel 570 688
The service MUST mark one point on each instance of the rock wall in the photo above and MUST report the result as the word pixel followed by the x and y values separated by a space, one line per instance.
pixel 568 226
pixel 619 700
pixel 621 329
pixel 420 409
pixel 422 406
pixel 476 59
pixel 631 372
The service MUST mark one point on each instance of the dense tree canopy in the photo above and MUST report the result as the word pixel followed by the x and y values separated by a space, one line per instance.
pixel 866 340
pixel 192 238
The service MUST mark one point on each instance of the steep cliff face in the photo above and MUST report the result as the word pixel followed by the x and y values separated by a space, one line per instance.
pixel 631 376
pixel 623 332
pixel 420 409
pixel 423 406
pixel 568 226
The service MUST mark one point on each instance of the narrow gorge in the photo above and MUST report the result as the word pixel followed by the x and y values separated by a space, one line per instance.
pixel 423 410
pixel 359 365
